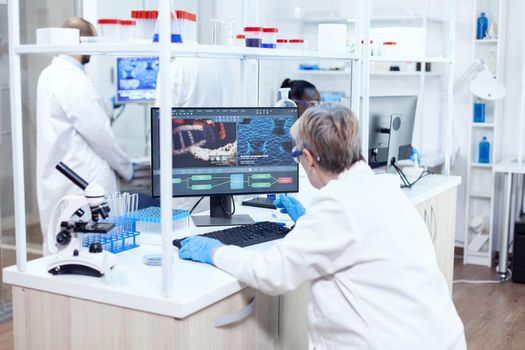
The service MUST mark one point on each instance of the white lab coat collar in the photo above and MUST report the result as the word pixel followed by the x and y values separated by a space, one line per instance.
pixel 70 60
pixel 361 167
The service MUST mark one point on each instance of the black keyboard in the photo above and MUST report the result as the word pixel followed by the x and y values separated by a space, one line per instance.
pixel 260 202
pixel 246 235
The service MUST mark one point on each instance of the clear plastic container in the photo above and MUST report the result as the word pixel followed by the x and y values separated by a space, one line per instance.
pixel 253 36
pixel 127 30
pixel 389 49
pixel 239 40
pixel 109 28
pixel 297 44
pixel 186 22
pixel 176 36
pixel 146 21
pixel 282 43
pixel 269 38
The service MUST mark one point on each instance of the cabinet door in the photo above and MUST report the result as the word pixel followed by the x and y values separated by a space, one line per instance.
pixel 443 214
pixel 46 321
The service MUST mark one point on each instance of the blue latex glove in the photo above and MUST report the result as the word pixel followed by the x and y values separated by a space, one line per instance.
pixel 414 154
pixel 290 205
pixel 198 248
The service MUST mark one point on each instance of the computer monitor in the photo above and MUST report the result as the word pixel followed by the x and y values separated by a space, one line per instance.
pixel 136 79
pixel 390 130
pixel 221 152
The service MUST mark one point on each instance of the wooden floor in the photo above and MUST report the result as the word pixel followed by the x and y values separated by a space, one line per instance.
pixel 493 314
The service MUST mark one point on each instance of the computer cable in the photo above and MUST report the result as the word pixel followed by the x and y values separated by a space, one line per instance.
pixel 233 206
pixel 195 205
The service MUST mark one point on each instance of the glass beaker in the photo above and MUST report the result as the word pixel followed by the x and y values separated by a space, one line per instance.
pixel 284 99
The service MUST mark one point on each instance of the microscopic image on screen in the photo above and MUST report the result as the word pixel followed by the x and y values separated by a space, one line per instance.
pixel 203 143
pixel 264 141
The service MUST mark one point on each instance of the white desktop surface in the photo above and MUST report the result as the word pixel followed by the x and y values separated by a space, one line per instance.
pixel 196 286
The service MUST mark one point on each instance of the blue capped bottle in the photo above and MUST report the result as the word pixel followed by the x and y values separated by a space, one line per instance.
pixel 479 111
pixel 484 151
pixel 482 26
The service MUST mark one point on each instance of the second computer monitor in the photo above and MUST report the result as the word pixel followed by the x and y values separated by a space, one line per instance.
pixel 391 129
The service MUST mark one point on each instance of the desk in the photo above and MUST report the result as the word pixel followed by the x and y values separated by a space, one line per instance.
pixel 76 312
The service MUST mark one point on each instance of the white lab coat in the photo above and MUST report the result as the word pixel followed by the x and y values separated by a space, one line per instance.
pixel 202 82
pixel 375 283
pixel 73 127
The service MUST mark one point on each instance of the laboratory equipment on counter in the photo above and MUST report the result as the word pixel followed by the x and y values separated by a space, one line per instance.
pixel 136 79
pixel 221 152
pixel 146 21
pixel 57 36
pixel 282 43
pixel 253 36
pixel 109 28
pixel 183 28
pixel 269 38
pixel 482 26
pixel 239 40
pixel 332 96
pixel 148 219
pixel 69 219
pixel 297 44
pixel 479 111
pixel 222 32
pixel 284 98
pixel 484 151
pixel 126 32
pixel 391 129
pixel 246 235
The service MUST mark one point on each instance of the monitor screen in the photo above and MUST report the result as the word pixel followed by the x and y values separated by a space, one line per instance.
pixel 136 79
pixel 228 151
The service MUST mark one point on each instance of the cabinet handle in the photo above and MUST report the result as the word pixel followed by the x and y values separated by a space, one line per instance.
pixel 237 316
pixel 425 219
pixel 433 223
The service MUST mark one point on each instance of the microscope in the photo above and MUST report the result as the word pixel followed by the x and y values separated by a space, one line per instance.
pixel 71 217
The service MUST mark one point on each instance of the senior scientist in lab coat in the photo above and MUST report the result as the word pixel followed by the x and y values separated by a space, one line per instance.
pixel 73 126
pixel 375 283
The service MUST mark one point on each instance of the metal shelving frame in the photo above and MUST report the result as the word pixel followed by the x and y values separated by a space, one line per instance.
pixel 359 82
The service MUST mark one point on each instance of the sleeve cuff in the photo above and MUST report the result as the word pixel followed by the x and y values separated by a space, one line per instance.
pixel 229 257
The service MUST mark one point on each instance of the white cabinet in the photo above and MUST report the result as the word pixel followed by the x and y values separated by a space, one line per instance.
pixel 50 321
pixel 439 214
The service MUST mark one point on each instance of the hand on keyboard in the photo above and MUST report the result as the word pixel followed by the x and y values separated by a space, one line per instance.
pixel 198 248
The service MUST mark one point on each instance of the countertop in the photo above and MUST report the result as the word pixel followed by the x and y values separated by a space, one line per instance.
pixel 137 286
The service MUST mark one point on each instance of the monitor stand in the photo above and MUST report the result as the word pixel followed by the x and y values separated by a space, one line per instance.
pixel 220 209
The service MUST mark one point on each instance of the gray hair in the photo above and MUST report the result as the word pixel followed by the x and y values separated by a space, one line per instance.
pixel 331 133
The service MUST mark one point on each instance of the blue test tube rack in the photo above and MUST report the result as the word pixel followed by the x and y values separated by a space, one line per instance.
pixel 121 238
pixel 148 219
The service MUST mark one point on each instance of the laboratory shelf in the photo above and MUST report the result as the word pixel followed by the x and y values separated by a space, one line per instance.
pixel 410 59
pixel 481 165
pixel 324 72
pixel 211 51
pixel 483 125
pixel 487 41
pixel 405 20
pixel 406 74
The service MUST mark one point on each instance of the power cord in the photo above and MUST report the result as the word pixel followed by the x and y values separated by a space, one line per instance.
pixel 195 205
pixel 406 183
pixel 224 209
pixel 509 275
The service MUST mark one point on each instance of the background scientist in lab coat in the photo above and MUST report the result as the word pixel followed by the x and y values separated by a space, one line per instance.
pixel 202 82
pixel 73 126
pixel 375 282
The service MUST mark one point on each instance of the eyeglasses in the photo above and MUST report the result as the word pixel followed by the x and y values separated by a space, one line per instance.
pixel 296 153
